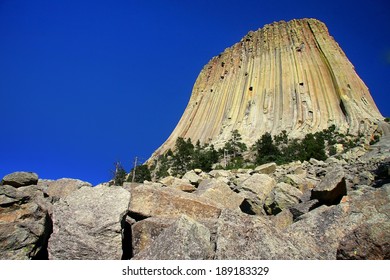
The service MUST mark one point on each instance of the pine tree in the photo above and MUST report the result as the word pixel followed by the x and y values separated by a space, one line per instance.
pixel 234 148
pixel 266 150
pixel 142 173
pixel 119 174
pixel 163 165
pixel 313 146
pixel 183 155
pixel 204 157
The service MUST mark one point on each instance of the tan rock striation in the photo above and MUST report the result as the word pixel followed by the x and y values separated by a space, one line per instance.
pixel 289 76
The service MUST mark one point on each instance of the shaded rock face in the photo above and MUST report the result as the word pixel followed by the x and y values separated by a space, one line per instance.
pixel 331 189
pixel 146 231
pixel 88 224
pixel 25 225
pixel 289 76
pixel 369 239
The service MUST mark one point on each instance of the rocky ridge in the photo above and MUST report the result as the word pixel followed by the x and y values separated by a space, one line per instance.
pixel 333 209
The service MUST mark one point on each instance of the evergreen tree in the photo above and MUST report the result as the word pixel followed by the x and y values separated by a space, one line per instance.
pixel 204 157
pixel 183 155
pixel 234 148
pixel 163 165
pixel 197 156
pixel 282 150
pixel 119 174
pixel 291 152
pixel 266 150
pixel 281 139
pixel 237 146
pixel 313 146
pixel 142 173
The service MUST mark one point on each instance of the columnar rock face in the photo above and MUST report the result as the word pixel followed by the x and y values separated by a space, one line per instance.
pixel 289 76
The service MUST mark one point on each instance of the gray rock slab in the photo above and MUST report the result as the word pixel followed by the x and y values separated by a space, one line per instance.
pixel 149 201
pixel 282 197
pixel 355 228
pixel 267 168
pixel 259 184
pixel 244 237
pixel 20 179
pixel 87 224
pixel 186 239
pixel 146 231
pixel 220 193
pixel 61 188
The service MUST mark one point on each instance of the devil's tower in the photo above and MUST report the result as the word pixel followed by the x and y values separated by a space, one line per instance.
pixel 289 76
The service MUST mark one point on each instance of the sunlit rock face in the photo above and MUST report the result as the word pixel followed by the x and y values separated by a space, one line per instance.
pixel 289 76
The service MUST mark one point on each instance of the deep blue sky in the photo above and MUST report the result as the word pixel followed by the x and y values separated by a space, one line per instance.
pixel 84 84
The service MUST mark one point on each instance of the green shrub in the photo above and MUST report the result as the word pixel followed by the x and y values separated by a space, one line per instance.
pixel 332 150
pixel 235 163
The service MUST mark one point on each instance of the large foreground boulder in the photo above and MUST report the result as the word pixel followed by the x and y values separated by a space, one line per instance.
pixel 88 224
